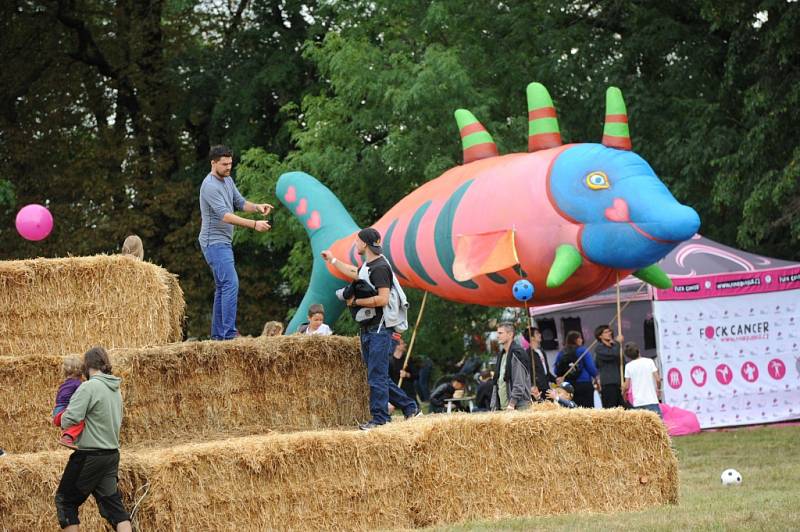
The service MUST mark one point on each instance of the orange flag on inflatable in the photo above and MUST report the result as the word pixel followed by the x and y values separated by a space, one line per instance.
pixel 484 253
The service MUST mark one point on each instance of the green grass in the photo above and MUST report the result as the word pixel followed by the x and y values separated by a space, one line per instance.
pixel 768 499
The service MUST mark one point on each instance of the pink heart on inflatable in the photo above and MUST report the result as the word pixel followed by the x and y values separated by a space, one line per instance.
pixel 291 195
pixel 302 207
pixel 619 212
pixel 314 220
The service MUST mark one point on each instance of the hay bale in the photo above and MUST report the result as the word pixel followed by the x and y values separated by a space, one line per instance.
pixel 191 390
pixel 551 461
pixel 437 470
pixel 29 485
pixel 312 480
pixel 315 480
pixel 61 306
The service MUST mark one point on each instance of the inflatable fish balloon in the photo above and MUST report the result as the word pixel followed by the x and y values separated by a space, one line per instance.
pixel 568 218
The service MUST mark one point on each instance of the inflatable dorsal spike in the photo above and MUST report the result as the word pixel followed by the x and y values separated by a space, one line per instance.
pixel 476 142
pixel 615 131
pixel 543 132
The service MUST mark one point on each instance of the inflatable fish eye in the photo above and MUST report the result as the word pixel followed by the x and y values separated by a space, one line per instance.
pixel 597 181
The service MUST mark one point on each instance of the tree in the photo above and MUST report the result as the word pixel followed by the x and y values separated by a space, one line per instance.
pixel 393 72
pixel 111 114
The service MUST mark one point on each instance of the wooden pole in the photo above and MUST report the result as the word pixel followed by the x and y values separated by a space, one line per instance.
pixel 413 336
pixel 619 333
pixel 588 349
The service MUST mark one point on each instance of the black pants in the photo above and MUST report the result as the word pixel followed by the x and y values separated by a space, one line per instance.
pixel 90 473
pixel 584 394
pixel 611 396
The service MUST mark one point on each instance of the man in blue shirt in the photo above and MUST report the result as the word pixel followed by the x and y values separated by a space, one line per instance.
pixel 219 199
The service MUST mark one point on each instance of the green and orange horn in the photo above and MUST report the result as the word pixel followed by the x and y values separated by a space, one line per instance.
pixel 476 142
pixel 615 131
pixel 543 132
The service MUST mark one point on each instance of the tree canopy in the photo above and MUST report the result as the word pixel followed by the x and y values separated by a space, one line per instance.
pixel 114 103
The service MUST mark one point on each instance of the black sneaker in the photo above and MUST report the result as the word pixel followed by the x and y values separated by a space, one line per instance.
pixel 369 425
pixel 415 414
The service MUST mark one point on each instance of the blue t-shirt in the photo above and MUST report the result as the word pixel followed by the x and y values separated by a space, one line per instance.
pixel 218 197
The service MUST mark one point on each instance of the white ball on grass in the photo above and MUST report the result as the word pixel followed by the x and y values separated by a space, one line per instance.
pixel 731 477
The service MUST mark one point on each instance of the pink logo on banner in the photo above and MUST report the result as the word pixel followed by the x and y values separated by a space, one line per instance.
pixel 724 374
pixel 750 371
pixel 698 375
pixel 674 378
pixel 776 369
pixel 709 332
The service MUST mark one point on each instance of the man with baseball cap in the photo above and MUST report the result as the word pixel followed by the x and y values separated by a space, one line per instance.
pixel 377 340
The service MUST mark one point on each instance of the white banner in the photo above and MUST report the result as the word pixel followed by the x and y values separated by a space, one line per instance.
pixel 732 360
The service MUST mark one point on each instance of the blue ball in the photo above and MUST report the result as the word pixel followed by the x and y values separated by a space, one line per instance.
pixel 523 290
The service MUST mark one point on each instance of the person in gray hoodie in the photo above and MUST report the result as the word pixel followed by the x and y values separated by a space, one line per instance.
pixel 512 376
pixel 93 468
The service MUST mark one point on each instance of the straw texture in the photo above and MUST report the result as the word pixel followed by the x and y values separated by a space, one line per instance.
pixel 181 392
pixel 61 306
pixel 432 470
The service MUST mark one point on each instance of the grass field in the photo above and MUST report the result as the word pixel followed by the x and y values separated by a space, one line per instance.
pixel 768 499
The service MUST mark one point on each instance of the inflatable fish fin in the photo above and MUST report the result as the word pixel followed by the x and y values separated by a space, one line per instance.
pixel 484 253
pixel 543 132
pixel 568 259
pixel 476 142
pixel 615 130
pixel 655 276
pixel 325 220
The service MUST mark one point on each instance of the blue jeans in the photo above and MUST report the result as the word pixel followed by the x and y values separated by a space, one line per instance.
pixel 226 292
pixel 653 408
pixel 377 349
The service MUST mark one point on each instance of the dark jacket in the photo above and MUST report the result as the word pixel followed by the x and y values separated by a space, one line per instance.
pixel 395 365
pixel 607 359
pixel 570 356
pixel 517 378
pixel 483 397
pixel 542 375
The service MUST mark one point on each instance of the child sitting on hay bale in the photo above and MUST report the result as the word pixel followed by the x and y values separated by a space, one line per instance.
pixel 73 371
pixel 562 395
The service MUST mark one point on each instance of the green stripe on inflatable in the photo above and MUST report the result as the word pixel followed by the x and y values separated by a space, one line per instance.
pixel 479 137
pixel 410 244
pixel 543 125
pixel 615 105
pixel 497 278
pixel 538 96
pixel 616 129
pixel 387 248
pixel 464 118
pixel 443 234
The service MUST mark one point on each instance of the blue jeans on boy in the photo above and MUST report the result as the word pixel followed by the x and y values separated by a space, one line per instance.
pixel 226 294
pixel 653 408
pixel 376 349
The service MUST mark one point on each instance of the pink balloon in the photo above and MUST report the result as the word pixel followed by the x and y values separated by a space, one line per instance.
pixel 34 222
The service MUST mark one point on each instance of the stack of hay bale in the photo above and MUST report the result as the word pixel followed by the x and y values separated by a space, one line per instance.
pixel 250 434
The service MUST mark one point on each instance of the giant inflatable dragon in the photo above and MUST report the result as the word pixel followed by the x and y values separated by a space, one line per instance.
pixel 570 218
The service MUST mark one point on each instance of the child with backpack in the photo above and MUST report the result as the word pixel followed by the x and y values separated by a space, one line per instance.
pixel 575 363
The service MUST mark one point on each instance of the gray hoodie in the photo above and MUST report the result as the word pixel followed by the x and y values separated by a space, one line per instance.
pixel 98 403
